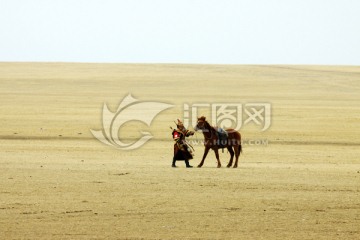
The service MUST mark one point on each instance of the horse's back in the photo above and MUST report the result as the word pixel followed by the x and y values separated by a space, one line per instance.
pixel 233 134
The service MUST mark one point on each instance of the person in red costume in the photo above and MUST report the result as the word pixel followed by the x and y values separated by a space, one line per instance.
pixel 182 149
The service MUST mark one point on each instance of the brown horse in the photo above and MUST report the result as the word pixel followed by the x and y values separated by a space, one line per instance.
pixel 212 141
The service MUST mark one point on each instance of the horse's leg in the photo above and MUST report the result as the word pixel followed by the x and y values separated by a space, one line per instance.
pixel 217 157
pixel 231 151
pixel 204 156
pixel 237 154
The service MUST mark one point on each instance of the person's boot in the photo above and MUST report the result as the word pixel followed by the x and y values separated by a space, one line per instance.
pixel 187 164
pixel 173 163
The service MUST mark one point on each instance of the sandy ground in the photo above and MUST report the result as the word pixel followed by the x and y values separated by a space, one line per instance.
pixel 59 182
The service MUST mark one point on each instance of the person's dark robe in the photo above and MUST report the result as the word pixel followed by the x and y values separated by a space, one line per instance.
pixel 180 154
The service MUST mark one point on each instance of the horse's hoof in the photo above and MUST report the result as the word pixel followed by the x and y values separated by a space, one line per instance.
pixel 173 166
pixel 228 166
pixel 219 166
pixel 199 166
pixel 235 166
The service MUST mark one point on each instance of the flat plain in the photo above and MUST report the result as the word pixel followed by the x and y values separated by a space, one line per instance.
pixel 59 182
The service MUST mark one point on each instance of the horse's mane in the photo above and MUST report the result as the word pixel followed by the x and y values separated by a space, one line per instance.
pixel 207 125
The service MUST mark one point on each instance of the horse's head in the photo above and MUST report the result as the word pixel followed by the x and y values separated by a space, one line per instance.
pixel 201 124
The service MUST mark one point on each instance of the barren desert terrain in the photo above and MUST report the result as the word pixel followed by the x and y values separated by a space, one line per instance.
pixel 59 182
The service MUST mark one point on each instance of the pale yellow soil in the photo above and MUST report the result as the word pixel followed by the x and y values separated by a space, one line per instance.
pixel 304 184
